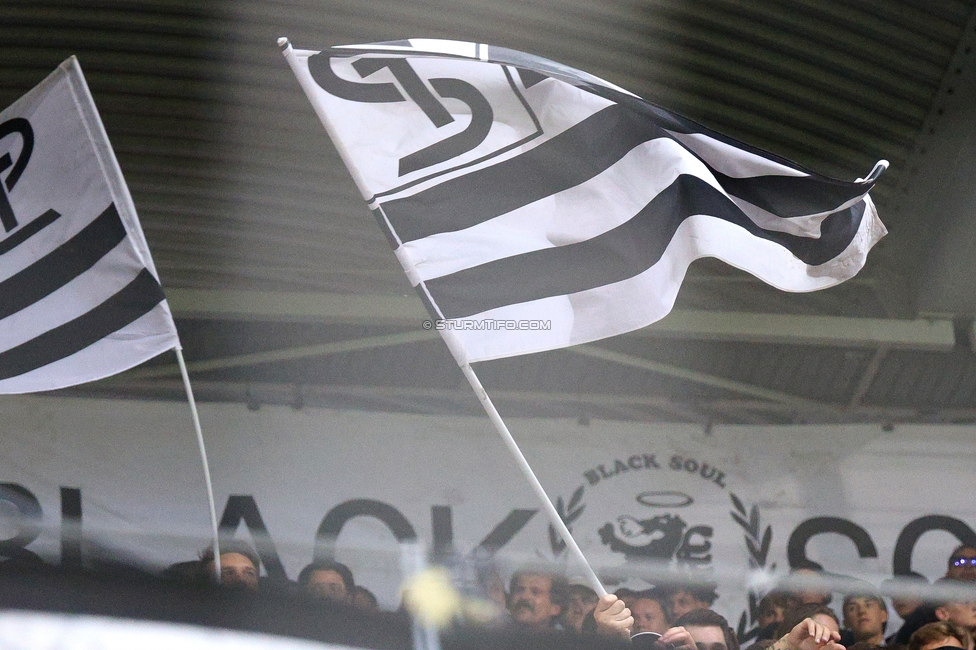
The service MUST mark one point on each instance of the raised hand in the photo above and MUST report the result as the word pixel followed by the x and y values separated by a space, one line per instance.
pixel 612 617
pixel 811 635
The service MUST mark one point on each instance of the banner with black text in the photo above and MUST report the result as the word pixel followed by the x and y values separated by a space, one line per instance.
pixel 858 500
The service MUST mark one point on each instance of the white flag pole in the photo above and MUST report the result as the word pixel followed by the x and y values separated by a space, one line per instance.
pixel 554 518
pixel 122 198
pixel 203 457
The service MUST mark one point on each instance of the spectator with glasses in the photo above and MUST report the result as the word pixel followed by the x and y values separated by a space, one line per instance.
pixel 962 564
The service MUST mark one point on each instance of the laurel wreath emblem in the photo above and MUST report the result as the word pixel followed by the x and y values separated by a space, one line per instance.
pixel 757 538
pixel 758 547
pixel 568 513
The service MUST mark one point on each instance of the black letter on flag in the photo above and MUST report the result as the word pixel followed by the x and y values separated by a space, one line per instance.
pixel 23 127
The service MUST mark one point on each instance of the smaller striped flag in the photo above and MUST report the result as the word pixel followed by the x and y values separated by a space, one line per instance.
pixel 534 206
pixel 79 296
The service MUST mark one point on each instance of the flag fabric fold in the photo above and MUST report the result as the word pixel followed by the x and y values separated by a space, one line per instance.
pixel 80 298
pixel 534 206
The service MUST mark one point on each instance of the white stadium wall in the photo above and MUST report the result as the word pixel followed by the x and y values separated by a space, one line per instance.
pixel 858 500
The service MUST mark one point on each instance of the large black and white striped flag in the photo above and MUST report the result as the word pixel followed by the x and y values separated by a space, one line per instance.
pixel 79 296
pixel 535 206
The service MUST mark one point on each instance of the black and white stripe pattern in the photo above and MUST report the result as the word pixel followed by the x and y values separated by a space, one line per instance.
pixel 591 227
pixel 79 299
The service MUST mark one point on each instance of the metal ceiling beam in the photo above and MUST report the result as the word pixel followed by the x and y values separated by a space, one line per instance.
pixel 818 330
pixel 369 343
pixel 731 412
pixel 862 413
pixel 867 377
pixel 683 412
pixel 257 394
pixel 286 354
pixel 407 311
pixel 312 393
pixel 296 306
pixel 799 403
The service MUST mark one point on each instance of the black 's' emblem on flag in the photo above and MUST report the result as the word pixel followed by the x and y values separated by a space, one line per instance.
pixel 452 146
pixel 417 88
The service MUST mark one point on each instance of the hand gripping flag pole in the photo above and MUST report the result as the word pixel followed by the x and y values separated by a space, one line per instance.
pixel 534 206
pixel 80 297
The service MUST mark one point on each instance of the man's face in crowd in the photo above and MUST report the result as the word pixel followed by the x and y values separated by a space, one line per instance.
pixel 580 604
pixel 961 564
pixel 530 600
pixel 326 584
pixel 683 602
pixel 865 617
pixel 237 570
pixel 648 616
pixel 770 615
pixel 960 613
pixel 707 637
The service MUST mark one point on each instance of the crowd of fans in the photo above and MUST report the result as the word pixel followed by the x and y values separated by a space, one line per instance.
pixel 797 619
pixel 669 616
